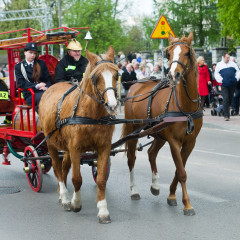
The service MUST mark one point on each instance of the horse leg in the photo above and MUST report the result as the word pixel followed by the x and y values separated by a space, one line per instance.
pixel 103 213
pixel 171 200
pixel 185 152
pixel 57 168
pixel 66 165
pixel 76 202
pixel 131 155
pixel 152 154
pixel 181 175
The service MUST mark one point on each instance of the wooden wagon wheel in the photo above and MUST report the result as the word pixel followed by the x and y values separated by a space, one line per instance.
pixel 33 169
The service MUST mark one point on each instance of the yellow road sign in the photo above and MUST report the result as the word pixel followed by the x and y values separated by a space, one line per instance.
pixel 162 29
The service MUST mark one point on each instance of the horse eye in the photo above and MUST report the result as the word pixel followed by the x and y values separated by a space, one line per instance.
pixel 187 54
pixel 167 55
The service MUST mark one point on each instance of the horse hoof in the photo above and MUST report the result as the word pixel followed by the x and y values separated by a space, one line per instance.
pixel 172 202
pixel 76 209
pixel 66 206
pixel 155 192
pixel 104 220
pixel 189 212
pixel 135 196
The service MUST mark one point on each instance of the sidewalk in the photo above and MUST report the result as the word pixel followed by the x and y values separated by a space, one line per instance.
pixel 210 121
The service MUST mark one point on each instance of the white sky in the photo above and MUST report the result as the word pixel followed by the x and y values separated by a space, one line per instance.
pixel 137 8
pixel 142 6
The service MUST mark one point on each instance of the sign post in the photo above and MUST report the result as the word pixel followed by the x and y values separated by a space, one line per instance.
pixel 162 31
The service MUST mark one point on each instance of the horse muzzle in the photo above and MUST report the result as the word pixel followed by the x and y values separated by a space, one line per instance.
pixel 175 78
pixel 111 109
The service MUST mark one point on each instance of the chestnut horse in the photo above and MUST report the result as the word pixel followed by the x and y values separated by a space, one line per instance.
pixel 94 99
pixel 182 97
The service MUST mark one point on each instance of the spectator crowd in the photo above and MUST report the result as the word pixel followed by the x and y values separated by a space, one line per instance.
pixel 221 78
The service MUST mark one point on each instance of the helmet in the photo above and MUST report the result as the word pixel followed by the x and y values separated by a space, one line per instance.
pixel 31 46
pixel 74 45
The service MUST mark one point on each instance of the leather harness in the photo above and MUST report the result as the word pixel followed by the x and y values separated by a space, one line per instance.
pixel 112 120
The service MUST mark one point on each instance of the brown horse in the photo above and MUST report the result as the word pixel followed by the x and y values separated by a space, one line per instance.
pixel 181 96
pixel 96 96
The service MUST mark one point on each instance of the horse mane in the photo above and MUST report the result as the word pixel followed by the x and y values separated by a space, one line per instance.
pixel 90 70
pixel 193 58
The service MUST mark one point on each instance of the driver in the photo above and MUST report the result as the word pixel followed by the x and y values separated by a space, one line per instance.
pixel 72 65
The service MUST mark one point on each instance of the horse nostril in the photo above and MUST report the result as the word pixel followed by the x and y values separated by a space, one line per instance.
pixel 177 75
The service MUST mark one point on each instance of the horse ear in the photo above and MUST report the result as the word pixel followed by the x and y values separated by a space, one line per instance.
pixel 90 56
pixel 111 52
pixel 170 37
pixel 190 38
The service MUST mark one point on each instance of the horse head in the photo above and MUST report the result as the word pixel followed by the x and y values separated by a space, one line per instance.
pixel 179 54
pixel 103 73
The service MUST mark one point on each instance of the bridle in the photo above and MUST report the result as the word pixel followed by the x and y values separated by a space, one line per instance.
pixel 186 69
pixel 94 82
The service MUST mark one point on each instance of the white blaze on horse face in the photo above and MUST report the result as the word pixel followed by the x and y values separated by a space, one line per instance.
pixel 176 54
pixel 112 101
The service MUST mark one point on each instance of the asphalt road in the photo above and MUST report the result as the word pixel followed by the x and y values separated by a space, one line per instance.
pixel 213 186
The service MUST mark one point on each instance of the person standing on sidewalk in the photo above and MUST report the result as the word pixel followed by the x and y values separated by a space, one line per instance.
pixel 227 73
pixel 203 80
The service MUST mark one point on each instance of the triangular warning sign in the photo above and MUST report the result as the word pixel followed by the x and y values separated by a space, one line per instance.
pixel 162 29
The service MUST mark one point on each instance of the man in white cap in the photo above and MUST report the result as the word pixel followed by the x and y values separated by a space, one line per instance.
pixel 73 65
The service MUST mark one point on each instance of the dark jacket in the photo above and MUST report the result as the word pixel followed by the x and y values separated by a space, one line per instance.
pixel 24 84
pixel 126 77
pixel 68 67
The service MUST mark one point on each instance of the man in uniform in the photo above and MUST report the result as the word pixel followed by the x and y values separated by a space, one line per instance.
pixel 73 65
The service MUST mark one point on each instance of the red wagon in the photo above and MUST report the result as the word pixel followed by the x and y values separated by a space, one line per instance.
pixel 24 133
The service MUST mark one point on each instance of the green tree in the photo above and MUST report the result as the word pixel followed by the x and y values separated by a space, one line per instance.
pixel 229 15
pixel 101 17
pixel 133 39
pixel 149 23
pixel 22 24
pixel 199 16
pixel 14 25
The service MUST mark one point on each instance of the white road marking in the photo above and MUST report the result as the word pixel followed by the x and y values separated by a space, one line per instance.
pixel 216 153
pixel 211 152
pixel 222 130
pixel 203 196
